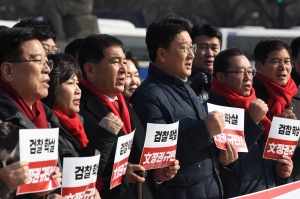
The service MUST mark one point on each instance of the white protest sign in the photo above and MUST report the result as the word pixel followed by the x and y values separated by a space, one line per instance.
pixel 79 176
pixel 160 145
pixel 234 129
pixel 283 138
pixel 39 147
pixel 124 145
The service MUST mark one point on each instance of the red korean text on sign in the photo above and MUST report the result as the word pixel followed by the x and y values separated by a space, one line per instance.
pixel 276 148
pixel 119 170
pixel 235 137
pixel 153 158
pixel 86 192
pixel 40 177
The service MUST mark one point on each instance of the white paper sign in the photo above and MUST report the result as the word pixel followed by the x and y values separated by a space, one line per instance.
pixel 38 144
pixel 234 129
pixel 79 176
pixel 124 145
pixel 39 147
pixel 160 145
pixel 283 138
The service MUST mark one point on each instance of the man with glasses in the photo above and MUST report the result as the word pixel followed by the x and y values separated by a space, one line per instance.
pixel 274 85
pixel 164 97
pixel 48 34
pixel 23 82
pixel 232 86
pixel 273 82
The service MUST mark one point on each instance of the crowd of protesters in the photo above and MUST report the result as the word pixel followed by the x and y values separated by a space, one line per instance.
pixel 93 94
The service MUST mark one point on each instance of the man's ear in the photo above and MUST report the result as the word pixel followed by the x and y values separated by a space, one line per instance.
pixel 220 76
pixel 7 72
pixel 258 65
pixel 293 61
pixel 89 70
pixel 160 55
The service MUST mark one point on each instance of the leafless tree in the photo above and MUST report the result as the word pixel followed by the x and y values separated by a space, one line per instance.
pixel 282 14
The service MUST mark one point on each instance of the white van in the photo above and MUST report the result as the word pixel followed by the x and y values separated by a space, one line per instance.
pixel 247 37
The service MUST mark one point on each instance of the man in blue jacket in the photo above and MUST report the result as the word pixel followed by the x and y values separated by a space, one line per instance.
pixel 164 97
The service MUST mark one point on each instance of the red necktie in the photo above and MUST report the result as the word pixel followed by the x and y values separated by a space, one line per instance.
pixel 116 105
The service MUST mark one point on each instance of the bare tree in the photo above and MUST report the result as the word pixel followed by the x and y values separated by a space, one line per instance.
pixel 281 14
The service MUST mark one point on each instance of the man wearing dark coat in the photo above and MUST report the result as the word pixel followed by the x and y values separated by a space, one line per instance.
pixel 232 86
pixel 164 97
pixel 104 70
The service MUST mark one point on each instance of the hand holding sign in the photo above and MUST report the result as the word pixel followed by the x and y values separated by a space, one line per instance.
pixel 15 174
pixel 257 110
pixel 215 123
pixel 229 155
pixel 288 113
pixel 56 175
pixel 284 167
pixel 167 173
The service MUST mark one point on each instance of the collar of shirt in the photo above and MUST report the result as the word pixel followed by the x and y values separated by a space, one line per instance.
pixel 168 72
pixel 110 99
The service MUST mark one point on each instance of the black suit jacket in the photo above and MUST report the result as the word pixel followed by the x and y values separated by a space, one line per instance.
pixel 93 111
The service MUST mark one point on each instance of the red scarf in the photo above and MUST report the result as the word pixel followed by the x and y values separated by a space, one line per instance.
pixel 73 126
pixel 235 100
pixel 125 117
pixel 279 96
pixel 36 115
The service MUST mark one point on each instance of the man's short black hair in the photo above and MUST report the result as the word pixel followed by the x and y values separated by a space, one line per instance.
pixel 221 62
pixel 44 28
pixel 206 29
pixel 267 45
pixel 64 67
pixel 295 47
pixel 93 48
pixel 73 47
pixel 11 39
pixel 162 32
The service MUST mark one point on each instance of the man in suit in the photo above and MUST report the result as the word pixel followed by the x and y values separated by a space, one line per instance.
pixel 104 70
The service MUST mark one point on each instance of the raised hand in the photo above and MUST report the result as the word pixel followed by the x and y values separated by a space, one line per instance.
pixel 258 110
pixel 215 123
pixel 112 123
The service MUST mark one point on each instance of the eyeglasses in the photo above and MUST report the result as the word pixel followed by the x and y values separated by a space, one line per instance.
pixel 277 63
pixel 49 50
pixel 186 48
pixel 242 73
pixel 48 63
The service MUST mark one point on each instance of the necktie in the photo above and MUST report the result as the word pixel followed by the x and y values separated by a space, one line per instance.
pixel 116 105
